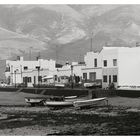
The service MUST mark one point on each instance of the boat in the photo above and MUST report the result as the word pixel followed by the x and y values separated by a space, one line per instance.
pixel 70 97
pixel 66 101
pixel 35 100
pixel 58 103
pixel 90 102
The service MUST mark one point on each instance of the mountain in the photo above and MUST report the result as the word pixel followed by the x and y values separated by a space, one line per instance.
pixel 64 31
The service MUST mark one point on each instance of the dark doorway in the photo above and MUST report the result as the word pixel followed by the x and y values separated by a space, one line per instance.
pixel 92 76
pixel 109 79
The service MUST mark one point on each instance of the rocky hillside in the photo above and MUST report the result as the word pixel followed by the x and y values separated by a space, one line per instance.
pixel 64 31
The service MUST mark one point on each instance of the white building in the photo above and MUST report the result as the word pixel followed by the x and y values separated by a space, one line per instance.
pixel 28 72
pixel 93 69
pixel 118 65
pixel 68 70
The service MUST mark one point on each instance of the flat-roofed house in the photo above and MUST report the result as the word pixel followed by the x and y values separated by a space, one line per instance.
pixel 28 72
pixel 118 65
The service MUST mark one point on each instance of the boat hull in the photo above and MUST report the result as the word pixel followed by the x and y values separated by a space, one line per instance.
pixel 58 103
pixel 91 102
pixel 34 101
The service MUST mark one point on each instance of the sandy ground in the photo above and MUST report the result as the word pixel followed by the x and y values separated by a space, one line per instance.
pixel 120 117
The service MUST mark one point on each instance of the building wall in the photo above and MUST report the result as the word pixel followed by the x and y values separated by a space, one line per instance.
pixel 89 59
pixel 109 53
pixel 129 67
pixel 109 72
pixel 98 72
pixel 16 69
pixel 66 70
pixel 34 76
pixel 90 67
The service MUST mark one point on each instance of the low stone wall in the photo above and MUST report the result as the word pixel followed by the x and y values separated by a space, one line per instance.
pixel 92 93
pixel 49 91
pixel 128 93
pixel 103 93
pixel 5 89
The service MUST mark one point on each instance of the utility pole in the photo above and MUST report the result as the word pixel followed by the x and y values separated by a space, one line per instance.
pixel 15 78
pixel 72 76
pixel 30 54
pixel 56 49
pixel 38 70
pixel 21 73
pixel 91 49
pixel 11 75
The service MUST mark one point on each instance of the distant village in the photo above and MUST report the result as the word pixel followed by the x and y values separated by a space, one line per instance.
pixel 118 67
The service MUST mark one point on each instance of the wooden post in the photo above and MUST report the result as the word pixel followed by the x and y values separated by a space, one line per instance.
pixel 90 94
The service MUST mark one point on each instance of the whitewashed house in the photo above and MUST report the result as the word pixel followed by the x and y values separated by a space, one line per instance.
pixel 118 65
pixel 93 68
pixel 28 72
pixel 68 70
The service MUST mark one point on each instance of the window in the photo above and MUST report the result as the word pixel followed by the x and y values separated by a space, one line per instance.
pixel 114 62
pixel 25 67
pixel 37 67
pixel 55 77
pixel 85 76
pixel 105 63
pixel 114 78
pixel 7 68
pixel 95 62
pixel 105 78
pixel 25 80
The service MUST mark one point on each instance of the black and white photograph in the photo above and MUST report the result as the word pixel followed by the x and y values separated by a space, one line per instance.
pixel 69 69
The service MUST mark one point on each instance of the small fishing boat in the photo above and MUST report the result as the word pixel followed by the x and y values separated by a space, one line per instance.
pixel 66 101
pixel 35 100
pixel 58 103
pixel 70 97
pixel 90 102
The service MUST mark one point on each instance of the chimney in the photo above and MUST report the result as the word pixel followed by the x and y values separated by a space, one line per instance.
pixel 67 62
pixel 19 58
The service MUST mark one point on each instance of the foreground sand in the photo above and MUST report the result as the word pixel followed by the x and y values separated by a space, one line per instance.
pixel 121 117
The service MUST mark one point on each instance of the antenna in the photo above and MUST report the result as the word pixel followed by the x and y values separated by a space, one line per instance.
pixel 80 58
pixel 30 53
pixel 56 49
pixel 91 49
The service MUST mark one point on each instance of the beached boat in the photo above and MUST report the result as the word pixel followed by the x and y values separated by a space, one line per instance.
pixel 58 103
pixel 35 100
pixel 67 101
pixel 90 102
pixel 70 97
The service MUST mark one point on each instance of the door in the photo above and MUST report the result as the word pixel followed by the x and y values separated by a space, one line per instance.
pixel 109 79
pixel 25 80
pixel 92 76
